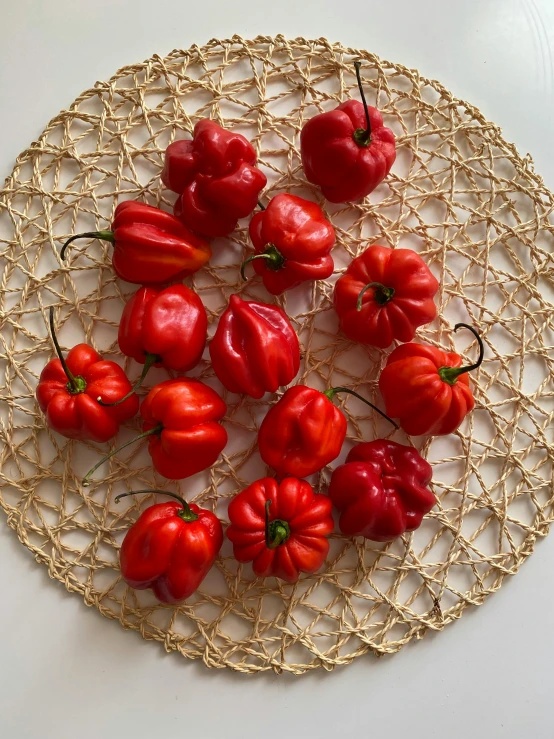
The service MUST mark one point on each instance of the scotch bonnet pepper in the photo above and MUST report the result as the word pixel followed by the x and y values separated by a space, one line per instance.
pixel 293 240
pixel 385 294
pixel 216 179
pixel 181 421
pixel 150 245
pixel 382 490
pixel 303 432
pixel 170 548
pixel 427 389
pixel 347 151
pixel 282 528
pixel 255 349
pixel 163 328
pixel 68 390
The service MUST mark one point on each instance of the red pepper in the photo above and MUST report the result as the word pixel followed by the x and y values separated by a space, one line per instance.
pixel 165 328
pixel 215 177
pixel 170 548
pixel 293 241
pixel 347 151
pixel 255 349
pixel 150 245
pixel 427 389
pixel 180 419
pixel 304 431
pixel 384 295
pixel 381 490
pixel 68 391
pixel 282 528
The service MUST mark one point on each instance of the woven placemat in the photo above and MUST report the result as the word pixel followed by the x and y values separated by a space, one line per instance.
pixel 458 194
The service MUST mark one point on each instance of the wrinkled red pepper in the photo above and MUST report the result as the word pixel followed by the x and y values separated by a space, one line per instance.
pixel 347 151
pixel 181 421
pixel 382 490
pixel 216 178
pixel 282 528
pixel 68 391
pixel 428 389
pixel 170 548
pixel 293 240
pixel 255 349
pixel 303 432
pixel 385 294
pixel 150 245
pixel 165 328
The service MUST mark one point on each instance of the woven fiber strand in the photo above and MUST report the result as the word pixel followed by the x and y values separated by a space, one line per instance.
pixel 458 194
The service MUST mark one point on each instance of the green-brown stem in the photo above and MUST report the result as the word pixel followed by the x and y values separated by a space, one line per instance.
pixel 362 136
pixel 75 385
pixel 150 360
pixel 382 294
pixel 334 390
pixel 104 235
pixel 276 532
pixel 156 430
pixel 451 374
pixel 273 258
pixel 187 514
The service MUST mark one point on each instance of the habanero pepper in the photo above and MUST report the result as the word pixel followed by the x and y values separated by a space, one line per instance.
pixel 347 151
pixel 150 245
pixel 382 490
pixel 303 432
pixel 181 421
pixel 68 391
pixel 170 548
pixel 427 389
pixel 255 349
pixel 385 294
pixel 216 179
pixel 293 240
pixel 281 527
pixel 163 328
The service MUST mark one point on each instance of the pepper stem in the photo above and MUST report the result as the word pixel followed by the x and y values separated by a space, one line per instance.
pixel 261 206
pixel 150 360
pixel 451 374
pixel 334 390
pixel 104 235
pixel 187 514
pixel 362 136
pixel 71 379
pixel 272 255
pixel 276 532
pixel 156 430
pixel 382 294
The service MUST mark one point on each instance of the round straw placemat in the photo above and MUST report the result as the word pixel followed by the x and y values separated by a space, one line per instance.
pixel 458 194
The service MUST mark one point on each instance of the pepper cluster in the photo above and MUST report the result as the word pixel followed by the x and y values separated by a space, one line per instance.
pixel 279 524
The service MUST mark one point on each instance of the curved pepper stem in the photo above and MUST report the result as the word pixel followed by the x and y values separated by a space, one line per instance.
pixel 276 532
pixel 274 260
pixel 261 206
pixel 104 235
pixel 150 360
pixel 187 514
pixel 382 294
pixel 451 374
pixel 362 136
pixel 156 430
pixel 334 390
pixel 75 385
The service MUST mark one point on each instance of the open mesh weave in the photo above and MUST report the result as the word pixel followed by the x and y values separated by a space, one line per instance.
pixel 458 194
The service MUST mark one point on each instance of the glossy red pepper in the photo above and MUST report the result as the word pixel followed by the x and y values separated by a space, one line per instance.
pixel 304 431
pixel 282 528
pixel 293 240
pixel 170 548
pixel 382 490
pixel 255 349
pixel 68 391
pixel 428 389
pixel 347 151
pixel 165 328
pixel 216 179
pixel 150 245
pixel 180 420
pixel 384 295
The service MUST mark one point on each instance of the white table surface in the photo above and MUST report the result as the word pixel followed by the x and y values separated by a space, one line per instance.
pixel 66 671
